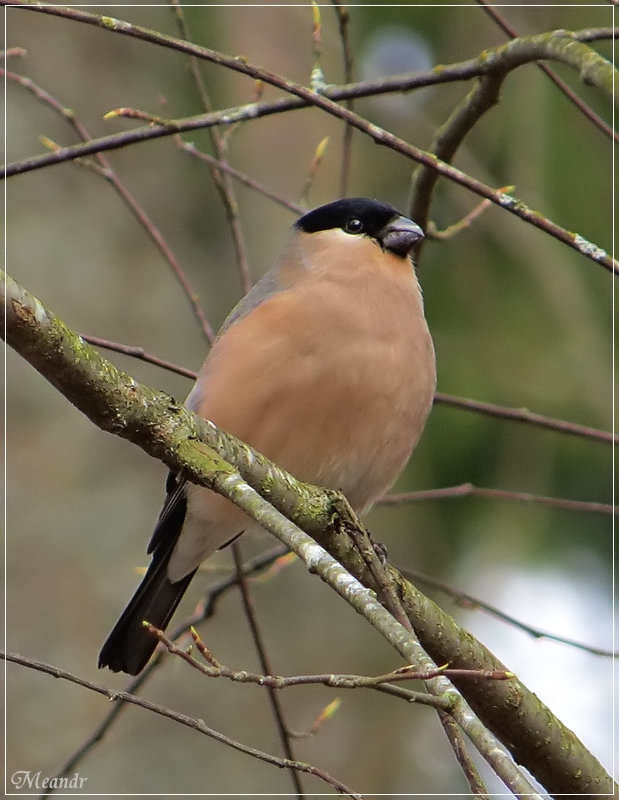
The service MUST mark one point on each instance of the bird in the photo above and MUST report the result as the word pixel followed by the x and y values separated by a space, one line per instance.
pixel 326 367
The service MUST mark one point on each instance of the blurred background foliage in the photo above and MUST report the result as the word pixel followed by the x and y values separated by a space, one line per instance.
pixel 518 319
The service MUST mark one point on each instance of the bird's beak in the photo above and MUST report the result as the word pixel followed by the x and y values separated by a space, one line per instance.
pixel 400 236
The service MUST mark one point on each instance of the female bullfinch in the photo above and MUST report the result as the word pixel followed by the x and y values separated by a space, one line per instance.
pixel 326 367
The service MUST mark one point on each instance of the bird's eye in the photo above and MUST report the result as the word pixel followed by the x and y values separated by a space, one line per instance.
pixel 353 225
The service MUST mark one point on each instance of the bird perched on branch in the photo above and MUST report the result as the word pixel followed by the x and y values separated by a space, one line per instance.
pixel 326 367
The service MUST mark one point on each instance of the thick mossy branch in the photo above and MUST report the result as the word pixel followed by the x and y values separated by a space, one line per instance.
pixel 593 69
pixel 547 744
pixel 559 45
pixel 166 430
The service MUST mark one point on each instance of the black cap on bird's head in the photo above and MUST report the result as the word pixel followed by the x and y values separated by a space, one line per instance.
pixel 362 216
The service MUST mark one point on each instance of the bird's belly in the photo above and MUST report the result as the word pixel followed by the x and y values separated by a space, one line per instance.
pixel 346 420
pixel 340 406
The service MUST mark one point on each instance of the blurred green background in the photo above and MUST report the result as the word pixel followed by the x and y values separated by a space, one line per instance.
pixel 518 319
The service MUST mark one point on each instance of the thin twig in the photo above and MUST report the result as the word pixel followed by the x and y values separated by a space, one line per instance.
pixel 205 610
pixel 109 174
pixel 458 745
pixel 456 228
pixel 221 178
pixel 469 601
pixel 464 403
pixel 223 166
pixel 385 589
pixel 215 669
pixel 313 169
pixel 524 415
pixel 470 490
pixel 343 18
pixel 197 725
pixel 276 706
pixel 139 353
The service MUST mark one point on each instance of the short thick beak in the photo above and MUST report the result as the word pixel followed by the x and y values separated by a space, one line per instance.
pixel 400 236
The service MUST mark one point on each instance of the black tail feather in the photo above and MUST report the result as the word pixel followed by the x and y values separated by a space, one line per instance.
pixel 129 646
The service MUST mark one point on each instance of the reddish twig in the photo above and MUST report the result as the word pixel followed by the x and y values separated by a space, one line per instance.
pixel 469 601
pixel 223 166
pixel 139 353
pixel 215 669
pixel 470 490
pixel 524 415
pixel 221 178
pixel 106 171
pixel 343 19
pixel 477 406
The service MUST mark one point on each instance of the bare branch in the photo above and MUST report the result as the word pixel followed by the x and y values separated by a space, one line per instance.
pixel 106 171
pixel 215 591
pixel 151 419
pixel 197 725
pixel 560 45
pixel 343 19
pixel 464 403
pixel 458 745
pixel 139 353
pixel 260 647
pixel 469 601
pixel 215 669
pixel 223 166
pixel 529 417
pixel 221 177
pixel 470 490
pixel 483 96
